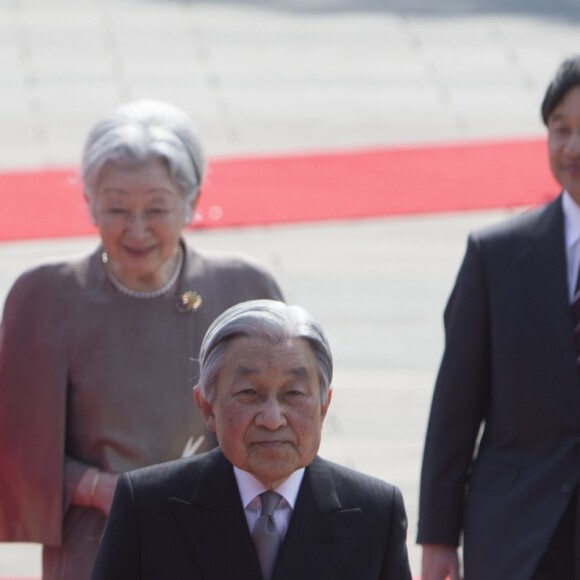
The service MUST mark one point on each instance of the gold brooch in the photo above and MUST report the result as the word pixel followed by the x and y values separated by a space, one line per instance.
pixel 189 302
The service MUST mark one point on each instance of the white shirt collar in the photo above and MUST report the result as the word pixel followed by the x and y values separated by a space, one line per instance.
pixel 250 487
pixel 571 220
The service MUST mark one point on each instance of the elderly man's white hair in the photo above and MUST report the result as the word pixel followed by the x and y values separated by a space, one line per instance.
pixel 269 319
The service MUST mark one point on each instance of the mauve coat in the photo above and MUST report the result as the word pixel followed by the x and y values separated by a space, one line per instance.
pixel 90 374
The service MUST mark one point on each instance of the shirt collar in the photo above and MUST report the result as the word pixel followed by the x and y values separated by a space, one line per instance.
pixel 571 220
pixel 250 487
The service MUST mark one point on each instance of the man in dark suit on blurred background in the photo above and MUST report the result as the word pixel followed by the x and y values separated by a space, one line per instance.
pixel 263 505
pixel 509 374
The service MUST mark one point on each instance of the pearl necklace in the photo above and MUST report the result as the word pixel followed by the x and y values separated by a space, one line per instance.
pixel 136 293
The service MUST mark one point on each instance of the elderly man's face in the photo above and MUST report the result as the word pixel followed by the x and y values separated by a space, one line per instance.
pixel 564 142
pixel 268 412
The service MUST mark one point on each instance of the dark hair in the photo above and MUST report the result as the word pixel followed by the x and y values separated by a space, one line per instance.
pixel 567 77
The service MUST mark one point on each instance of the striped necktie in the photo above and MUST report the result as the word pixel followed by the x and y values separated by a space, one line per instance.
pixel 265 533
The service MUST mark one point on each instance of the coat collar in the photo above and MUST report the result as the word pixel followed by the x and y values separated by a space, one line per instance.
pixel 215 527
pixel 543 269
pixel 319 529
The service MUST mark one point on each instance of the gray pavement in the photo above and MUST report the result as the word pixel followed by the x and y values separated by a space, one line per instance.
pixel 279 75
pixel 300 75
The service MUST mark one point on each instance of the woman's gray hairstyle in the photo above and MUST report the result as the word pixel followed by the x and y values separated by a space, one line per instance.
pixel 269 319
pixel 141 130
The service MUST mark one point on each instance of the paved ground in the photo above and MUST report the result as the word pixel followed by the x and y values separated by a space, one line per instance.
pixel 299 75
pixel 262 76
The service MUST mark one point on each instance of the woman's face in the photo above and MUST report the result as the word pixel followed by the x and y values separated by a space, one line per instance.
pixel 140 214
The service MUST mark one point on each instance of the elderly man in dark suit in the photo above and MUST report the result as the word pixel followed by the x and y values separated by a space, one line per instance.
pixel 263 505
pixel 510 375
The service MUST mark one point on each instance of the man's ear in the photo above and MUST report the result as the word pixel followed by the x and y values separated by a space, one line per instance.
pixel 205 408
pixel 326 404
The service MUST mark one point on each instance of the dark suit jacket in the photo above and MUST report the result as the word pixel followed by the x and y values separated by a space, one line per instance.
pixel 185 520
pixel 509 365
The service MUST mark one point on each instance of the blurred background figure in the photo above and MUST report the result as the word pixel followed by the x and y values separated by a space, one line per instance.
pixel 98 354
pixel 510 369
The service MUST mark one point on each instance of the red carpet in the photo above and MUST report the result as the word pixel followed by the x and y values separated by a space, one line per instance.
pixel 335 186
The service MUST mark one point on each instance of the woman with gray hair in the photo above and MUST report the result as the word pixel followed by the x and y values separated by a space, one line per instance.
pixel 98 355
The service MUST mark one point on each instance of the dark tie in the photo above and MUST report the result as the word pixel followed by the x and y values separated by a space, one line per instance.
pixel 266 535
pixel 576 318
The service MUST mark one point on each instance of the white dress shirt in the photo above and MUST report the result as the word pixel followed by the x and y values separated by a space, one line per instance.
pixel 572 237
pixel 250 490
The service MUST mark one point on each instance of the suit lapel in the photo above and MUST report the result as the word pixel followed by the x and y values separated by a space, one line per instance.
pixel 319 529
pixel 544 272
pixel 318 532
pixel 214 525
